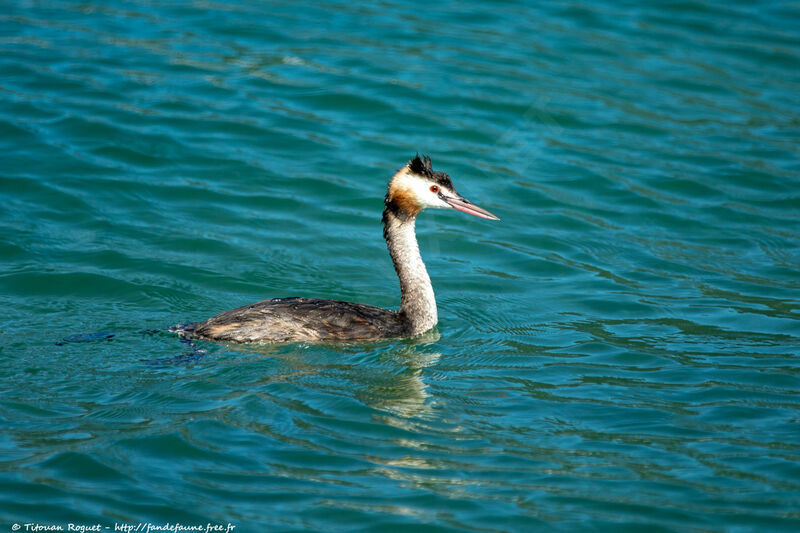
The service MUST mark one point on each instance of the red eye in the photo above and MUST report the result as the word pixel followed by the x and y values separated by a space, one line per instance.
pixel 434 188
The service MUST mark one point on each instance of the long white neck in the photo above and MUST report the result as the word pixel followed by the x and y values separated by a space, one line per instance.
pixel 417 302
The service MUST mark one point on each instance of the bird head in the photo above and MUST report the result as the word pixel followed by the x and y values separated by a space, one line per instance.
pixel 417 186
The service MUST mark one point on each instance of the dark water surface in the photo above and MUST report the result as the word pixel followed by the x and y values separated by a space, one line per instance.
pixel 620 352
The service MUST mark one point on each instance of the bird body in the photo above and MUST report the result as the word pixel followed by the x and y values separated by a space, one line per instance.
pixel 413 188
pixel 302 320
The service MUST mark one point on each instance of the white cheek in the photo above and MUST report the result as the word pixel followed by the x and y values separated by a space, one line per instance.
pixel 422 191
pixel 435 202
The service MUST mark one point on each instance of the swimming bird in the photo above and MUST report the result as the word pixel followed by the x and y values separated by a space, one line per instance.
pixel 413 188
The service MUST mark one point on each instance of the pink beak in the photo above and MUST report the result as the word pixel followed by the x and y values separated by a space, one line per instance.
pixel 464 205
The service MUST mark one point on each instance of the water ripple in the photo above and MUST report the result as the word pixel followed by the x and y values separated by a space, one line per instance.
pixel 619 352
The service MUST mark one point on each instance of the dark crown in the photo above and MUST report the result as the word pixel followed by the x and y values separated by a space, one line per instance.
pixel 421 165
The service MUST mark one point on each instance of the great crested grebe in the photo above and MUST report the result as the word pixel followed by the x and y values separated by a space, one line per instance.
pixel 413 188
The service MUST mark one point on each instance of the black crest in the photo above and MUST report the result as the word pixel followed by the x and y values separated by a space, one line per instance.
pixel 421 165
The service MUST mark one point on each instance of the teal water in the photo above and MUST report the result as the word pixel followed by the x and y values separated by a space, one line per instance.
pixel 620 353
